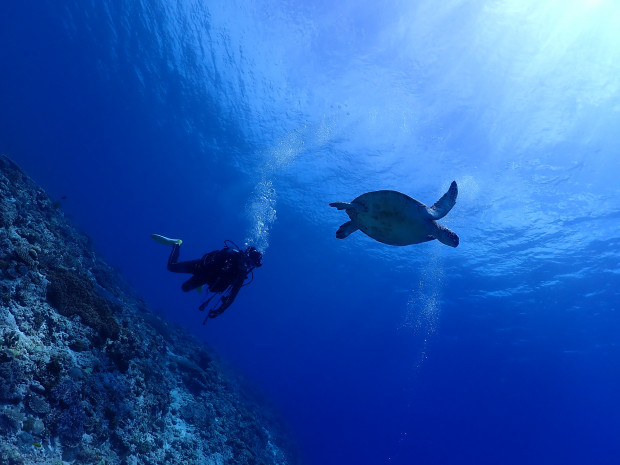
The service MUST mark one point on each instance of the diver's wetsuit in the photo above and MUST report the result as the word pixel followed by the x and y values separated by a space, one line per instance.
pixel 223 271
pixel 218 269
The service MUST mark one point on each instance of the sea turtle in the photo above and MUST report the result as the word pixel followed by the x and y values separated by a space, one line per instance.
pixel 397 219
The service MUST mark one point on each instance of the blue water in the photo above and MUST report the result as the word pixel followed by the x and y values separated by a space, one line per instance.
pixel 242 120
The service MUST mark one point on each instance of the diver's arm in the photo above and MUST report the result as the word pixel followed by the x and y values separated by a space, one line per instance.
pixel 227 299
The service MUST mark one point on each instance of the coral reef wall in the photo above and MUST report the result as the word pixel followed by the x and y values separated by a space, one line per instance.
pixel 88 375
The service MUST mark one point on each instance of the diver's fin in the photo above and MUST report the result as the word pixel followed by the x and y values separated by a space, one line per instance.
pixel 166 240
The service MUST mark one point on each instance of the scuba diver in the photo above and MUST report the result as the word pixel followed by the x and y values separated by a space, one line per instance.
pixel 223 271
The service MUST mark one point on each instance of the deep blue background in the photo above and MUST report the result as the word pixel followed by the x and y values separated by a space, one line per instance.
pixel 244 121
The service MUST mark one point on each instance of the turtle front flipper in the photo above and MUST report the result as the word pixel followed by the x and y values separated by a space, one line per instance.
pixel 341 205
pixel 346 229
pixel 349 206
pixel 444 204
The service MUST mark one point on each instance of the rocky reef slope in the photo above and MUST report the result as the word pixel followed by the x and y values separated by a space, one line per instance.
pixel 88 375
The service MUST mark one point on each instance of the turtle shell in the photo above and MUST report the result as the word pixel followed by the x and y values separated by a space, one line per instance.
pixel 392 218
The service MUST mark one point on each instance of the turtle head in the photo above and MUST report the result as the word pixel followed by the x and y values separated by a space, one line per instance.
pixel 448 237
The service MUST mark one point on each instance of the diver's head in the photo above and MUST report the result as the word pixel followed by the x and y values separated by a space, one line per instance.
pixel 254 257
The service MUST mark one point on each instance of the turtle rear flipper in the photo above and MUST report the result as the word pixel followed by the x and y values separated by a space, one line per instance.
pixel 444 204
pixel 346 229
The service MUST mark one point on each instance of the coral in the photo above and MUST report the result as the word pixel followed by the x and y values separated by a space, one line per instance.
pixel 89 375
pixel 11 373
pixel 72 294
pixel 10 456
pixel 38 405
pixel 23 255
pixel 70 419
pixel 34 426
pixel 123 350
pixel 10 419
pixel 9 338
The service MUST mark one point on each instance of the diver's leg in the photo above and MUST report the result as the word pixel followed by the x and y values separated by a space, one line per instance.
pixel 174 255
pixel 193 283
pixel 180 267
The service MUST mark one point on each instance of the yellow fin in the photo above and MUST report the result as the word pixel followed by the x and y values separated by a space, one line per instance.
pixel 199 289
pixel 166 240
